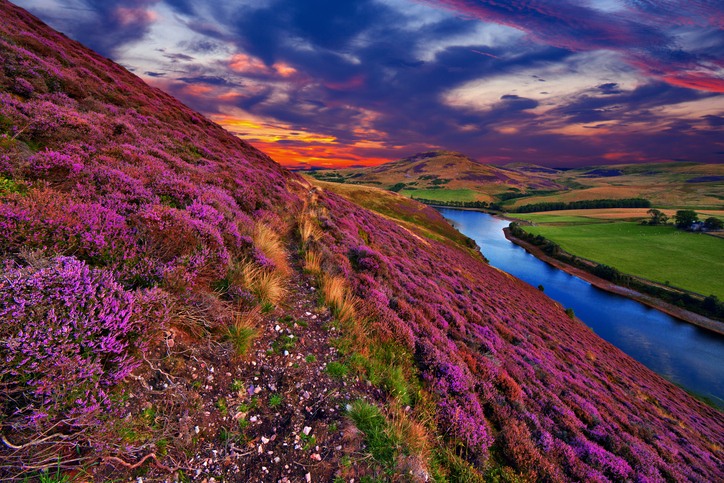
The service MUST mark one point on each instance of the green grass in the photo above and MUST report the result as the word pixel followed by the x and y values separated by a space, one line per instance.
pixel 660 253
pixel 441 194
pixel 554 218
pixel 337 369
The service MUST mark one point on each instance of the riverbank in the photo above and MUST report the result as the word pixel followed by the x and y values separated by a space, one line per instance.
pixel 673 310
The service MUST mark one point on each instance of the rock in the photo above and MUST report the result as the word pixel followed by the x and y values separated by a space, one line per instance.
pixel 316 457
pixel 308 477
pixel 264 440
pixel 307 430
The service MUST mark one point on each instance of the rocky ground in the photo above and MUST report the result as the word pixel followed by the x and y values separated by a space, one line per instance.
pixel 274 415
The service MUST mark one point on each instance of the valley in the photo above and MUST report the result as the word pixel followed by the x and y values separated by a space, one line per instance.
pixel 175 305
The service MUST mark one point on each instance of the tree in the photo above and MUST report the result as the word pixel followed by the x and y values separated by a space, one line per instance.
pixel 714 223
pixel 657 217
pixel 684 218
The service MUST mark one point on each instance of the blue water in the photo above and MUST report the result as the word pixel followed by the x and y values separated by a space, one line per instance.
pixel 681 352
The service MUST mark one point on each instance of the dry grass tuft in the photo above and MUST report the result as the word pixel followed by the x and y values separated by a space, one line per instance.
pixel 266 286
pixel 404 428
pixel 309 230
pixel 335 292
pixel 268 242
pixel 312 263
pixel 244 331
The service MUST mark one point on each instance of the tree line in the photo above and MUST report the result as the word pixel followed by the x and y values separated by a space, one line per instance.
pixel 583 205
pixel 547 206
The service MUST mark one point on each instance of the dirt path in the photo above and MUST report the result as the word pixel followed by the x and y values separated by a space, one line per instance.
pixel 275 415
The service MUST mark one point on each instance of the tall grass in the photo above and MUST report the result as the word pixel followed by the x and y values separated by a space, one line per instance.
pixel 268 242
pixel 337 297
pixel 268 287
pixel 312 263
pixel 397 443
pixel 308 230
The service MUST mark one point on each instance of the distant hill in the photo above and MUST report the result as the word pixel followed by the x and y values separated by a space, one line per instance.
pixel 444 173
pixel 449 176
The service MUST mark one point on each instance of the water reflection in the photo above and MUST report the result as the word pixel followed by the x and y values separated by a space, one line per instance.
pixel 685 354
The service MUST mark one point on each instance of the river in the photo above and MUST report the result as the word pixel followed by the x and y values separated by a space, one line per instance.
pixel 683 353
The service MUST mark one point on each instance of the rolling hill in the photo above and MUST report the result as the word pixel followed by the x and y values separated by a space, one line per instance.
pixel 441 173
pixel 174 305
pixel 449 176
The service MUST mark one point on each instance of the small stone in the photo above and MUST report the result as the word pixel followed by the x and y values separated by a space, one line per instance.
pixel 314 317
pixel 264 440
pixel 316 457
pixel 197 430
pixel 257 390
pixel 307 430
pixel 308 477
pixel 253 419
pixel 307 314
pixel 277 460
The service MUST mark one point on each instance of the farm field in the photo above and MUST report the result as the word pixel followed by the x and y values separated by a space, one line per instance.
pixel 610 214
pixel 442 194
pixel 546 218
pixel 660 253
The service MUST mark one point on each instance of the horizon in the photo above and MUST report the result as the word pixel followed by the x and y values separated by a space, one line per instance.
pixel 329 84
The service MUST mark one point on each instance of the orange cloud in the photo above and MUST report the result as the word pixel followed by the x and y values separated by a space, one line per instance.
pixel 249 65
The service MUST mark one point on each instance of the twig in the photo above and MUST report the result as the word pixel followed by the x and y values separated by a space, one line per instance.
pixel 114 459
pixel 168 376
pixel 21 131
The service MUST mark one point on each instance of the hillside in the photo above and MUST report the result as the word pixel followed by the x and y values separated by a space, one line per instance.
pixel 176 306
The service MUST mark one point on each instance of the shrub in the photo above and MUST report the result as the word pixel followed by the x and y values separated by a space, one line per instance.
pixel 69 335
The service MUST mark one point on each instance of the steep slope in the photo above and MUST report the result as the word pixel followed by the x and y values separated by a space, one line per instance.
pixel 443 172
pixel 144 245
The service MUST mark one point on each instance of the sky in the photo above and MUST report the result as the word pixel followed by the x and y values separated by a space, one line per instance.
pixel 334 83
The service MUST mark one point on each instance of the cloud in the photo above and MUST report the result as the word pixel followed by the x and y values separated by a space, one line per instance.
pixel 644 32
pixel 366 80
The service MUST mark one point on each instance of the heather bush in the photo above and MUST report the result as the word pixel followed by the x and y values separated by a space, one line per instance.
pixel 70 333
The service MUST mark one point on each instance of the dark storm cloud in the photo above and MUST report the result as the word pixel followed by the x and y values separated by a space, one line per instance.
pixel 202 79
pixel 178 57
pixel 635 105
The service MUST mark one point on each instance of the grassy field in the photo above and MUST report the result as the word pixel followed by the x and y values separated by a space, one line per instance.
pixel 544 218
pixel 660 253
pixel 442 194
